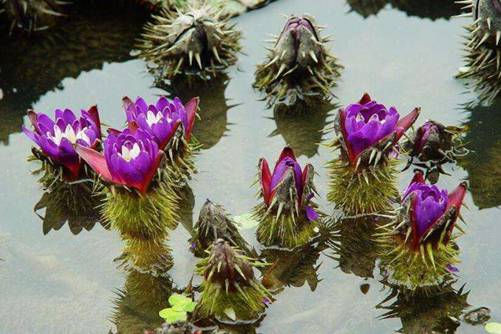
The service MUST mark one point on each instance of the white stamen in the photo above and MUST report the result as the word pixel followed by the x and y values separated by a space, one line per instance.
pixel 152 118
pixel 128 155
pixel 69 134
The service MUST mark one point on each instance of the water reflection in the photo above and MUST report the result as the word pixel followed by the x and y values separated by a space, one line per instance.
pixel 139 301
pixel 430 9
pixel 353 245
pixel 425 311
pixel 483 163
pixel 186 204
pixel 74 204
pixel 302 130
pixel 213 105
pixel 31 67
pixel 292 268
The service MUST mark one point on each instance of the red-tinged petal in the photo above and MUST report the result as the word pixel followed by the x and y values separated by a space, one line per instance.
pixel 114 131
pixel 33 116
pixel 72 170
pixel 366 98
pixel 406 122
pixel 287 152
pixel 349 151
pixel 143 188
pixel 265 179
pixel 418 177
pixel 96 161
pixel 94 114
pixel 456 198
pixel 126 102
pixel 191 110
pixel 307 174
pixel 132 126
pixel 173 131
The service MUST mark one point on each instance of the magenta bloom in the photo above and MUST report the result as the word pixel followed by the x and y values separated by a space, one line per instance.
pixel 295 25
pixel 366 125
pixel 131 158
pixel 285 169
pixel 161 120
pixel 431 209
pixel 423 134
pixel 56 138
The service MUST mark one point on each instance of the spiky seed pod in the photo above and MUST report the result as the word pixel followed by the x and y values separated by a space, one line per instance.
pixel 141 217
pixel 299 67
pixel 138 303
pixel 195 41
pixel 73 203
pixel 230 290
pixel 213 224
pixel 416 250
pixel 424 310
pixel 286 214
pixel 33 15
pixel 370 189
pixel 367 8
pixel 352 245
pixel 483 48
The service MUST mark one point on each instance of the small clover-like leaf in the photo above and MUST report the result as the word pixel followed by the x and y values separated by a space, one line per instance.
pixel 246 221
pixel 172 316
pixel 493 327
pixel 178 299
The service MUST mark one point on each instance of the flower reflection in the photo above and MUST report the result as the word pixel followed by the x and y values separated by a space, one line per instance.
pixel 423 311
pixel 353 246
pixel 74 204
pixel 304 131
pixel 483 163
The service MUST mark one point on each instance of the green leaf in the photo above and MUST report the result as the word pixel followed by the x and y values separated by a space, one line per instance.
pixel 246 221
pixel 178 299
pixel 493 328
pixel 171 316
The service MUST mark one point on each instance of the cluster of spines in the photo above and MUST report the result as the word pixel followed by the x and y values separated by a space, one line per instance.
pixel 157 46
pixel 179 164
pixel 291 85
pixel 366 188
pixel 244 295
pixel 483 55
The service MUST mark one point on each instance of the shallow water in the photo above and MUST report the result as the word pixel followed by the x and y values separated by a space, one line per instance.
pixel 62 279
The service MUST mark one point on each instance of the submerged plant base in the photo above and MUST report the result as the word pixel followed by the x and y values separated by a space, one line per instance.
pixel 428 265
pixel 33 15
pixel 195 41
pixel 285 230
pixel 368 190
pixel 146 217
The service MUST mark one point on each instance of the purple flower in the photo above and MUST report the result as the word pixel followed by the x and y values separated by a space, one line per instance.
pixel 367 124
pixel 131 158
pixel 161 120
pixel 430 209
pixel 286 167
pixel 56 138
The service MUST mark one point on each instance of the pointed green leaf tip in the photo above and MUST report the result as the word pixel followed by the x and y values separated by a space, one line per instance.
pixel 180 306
pixel 246 221
pixel 493 328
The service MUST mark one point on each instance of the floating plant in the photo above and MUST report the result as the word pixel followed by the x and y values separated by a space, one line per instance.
pixel 194 41
pixel 299 67
pixel 230 291
pixel 287 215
pixel 483 48
pixel 33 15
pixel 180 306
pixel 170 124
pixel 139 201
pixel 213 224
pixel 434 144
pixel 417 247
pixel 56 139
pixel 363 177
